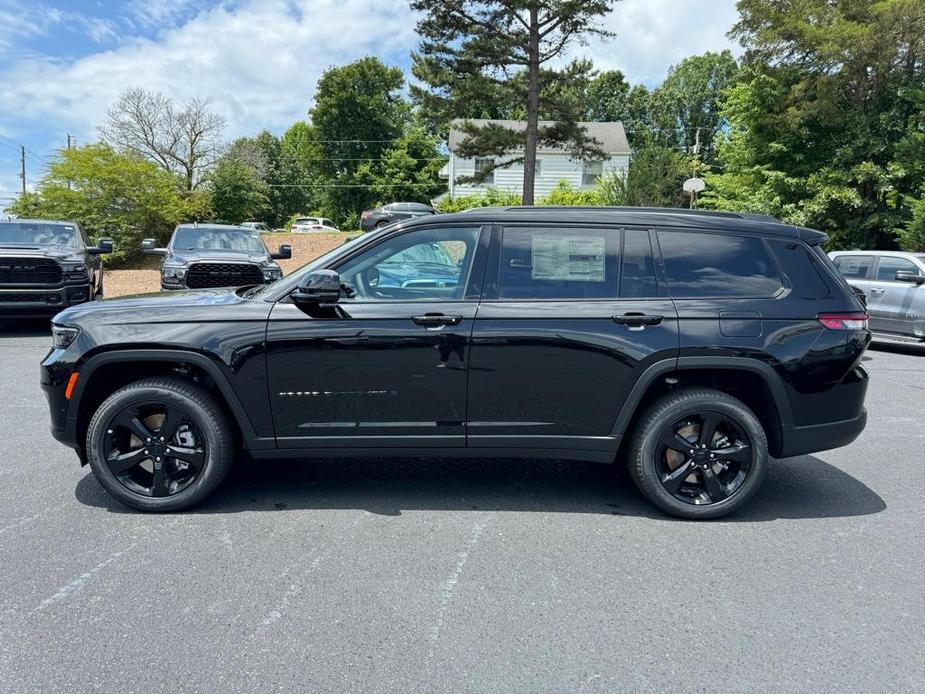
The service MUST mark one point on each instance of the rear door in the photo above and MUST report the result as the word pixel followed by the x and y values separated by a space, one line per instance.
pixel 858 272
pixel 571 315
pixel 896 305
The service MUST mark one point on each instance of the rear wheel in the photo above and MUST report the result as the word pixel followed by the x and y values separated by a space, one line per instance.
pixel 698 454
pixel 160 444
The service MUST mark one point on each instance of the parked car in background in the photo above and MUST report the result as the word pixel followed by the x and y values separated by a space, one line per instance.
pixel 304 225
pixel 216 255
pixel 257 226
pixel 893 283
pixel 46 266
pixel 393 212
pixel 692 346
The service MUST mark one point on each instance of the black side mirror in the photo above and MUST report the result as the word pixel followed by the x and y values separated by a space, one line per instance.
pixel 906 276
pixel 103 247
pixel 285 253
pixel 149 247
pixel 317 288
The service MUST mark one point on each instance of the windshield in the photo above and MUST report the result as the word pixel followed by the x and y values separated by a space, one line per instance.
pixel 37 234
pixel 212 239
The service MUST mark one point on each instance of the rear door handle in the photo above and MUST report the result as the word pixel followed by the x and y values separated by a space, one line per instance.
pixel 637 320
pixel 436 320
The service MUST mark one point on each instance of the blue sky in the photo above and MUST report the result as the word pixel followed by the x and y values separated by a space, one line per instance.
pixel 63 62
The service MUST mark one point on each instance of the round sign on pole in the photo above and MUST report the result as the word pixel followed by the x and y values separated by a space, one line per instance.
pixel 694 185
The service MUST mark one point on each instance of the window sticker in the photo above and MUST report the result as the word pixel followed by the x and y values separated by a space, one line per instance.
pixel 568 258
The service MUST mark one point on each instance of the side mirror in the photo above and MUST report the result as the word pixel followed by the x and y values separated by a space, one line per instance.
pixel 911 277
pixel 317 288
pixel 285 253
pixel 103 247
pixel 149 247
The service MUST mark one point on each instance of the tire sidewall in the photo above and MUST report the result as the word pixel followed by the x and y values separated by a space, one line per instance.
pixel 216 447
pixel 648 477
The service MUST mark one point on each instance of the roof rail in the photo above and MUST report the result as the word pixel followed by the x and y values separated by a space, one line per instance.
pixel 656 210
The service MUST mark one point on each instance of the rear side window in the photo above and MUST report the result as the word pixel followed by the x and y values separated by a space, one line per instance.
pixel 717 265
pixel 637 278
pixel 888 267
pixel 854 267
pixel 800 268
pixel 555 263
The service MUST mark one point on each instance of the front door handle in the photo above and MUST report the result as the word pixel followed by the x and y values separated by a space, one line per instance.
pixel 637 320
pixel 434 320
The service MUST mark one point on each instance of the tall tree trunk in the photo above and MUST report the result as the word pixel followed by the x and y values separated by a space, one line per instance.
pixel 533 107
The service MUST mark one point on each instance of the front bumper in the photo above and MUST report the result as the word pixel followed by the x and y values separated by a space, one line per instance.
pixel 41 302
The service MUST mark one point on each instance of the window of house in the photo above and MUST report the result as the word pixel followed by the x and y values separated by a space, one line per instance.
pixel 485 164
pixel 539 168
pixel 545 264
pixel 709 265
pixel 592 171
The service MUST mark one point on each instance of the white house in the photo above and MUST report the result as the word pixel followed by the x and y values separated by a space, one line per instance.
pixel 552 165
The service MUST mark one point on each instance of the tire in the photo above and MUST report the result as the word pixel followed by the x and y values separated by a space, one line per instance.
pixel 202 421
pixel 381 223
pixel 711 488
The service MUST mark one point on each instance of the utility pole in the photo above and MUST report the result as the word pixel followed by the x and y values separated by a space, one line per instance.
pixel 68 146
pixel 696 153
pixel 22 161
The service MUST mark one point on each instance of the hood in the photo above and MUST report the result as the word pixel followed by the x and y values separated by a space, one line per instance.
pixel 53 252
pixel 195 305
pixel 183 257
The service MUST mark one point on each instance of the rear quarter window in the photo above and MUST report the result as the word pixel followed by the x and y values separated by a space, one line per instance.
pixel 800 269
pixel 699 264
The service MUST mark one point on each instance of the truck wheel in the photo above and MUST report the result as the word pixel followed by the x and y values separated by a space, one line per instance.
pixel 698 453
pixel 160 444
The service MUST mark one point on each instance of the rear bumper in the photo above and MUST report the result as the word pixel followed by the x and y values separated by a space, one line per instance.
pixel 821 437
pixel 41 302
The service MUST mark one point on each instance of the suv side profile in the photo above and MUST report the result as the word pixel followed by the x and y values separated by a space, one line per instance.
pixel 393 212
pixel 692 346
pixel 893 283
pixel 47 265
pixel 201 256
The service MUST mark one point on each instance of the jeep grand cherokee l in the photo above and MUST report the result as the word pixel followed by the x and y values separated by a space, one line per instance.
pixel 201 256
pixel 46 266
pixel 692 346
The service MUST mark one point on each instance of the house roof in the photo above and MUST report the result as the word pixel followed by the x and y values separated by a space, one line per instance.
pixel 610 134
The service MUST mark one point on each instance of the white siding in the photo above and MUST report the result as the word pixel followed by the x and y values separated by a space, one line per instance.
pixel 556 167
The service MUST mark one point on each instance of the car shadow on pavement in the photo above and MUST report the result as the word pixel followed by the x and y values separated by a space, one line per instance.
pixel 804 487
pixel 25 327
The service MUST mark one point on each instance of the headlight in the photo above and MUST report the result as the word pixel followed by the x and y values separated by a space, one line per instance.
pixel 272 274
pixel 174 275
pixel 75 271
pixel 63 335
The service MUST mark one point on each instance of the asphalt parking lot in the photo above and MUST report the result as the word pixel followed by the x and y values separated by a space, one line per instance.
pixel 482 576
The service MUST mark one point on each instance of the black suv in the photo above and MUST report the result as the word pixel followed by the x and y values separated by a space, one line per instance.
pixel 393 212
pixel 46 266
pixel 203 256
pixel 693 346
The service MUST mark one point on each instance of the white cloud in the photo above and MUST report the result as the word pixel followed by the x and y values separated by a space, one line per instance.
pixel 259 60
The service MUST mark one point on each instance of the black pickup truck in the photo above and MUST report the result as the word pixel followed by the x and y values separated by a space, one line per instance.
pixel 46 266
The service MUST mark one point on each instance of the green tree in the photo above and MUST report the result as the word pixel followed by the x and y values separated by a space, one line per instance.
pixel 467 44
pixel 121 195
pixel 239 193
pixel 606 97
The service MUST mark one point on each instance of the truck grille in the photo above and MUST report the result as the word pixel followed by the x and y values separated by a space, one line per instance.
pixel 22 298
pixel 29 271
pixel 206 275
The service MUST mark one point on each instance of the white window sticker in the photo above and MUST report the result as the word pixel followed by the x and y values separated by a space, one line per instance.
pixel 569 258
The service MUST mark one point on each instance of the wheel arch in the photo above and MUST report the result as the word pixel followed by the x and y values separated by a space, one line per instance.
pixel 104 373
pixel 753 382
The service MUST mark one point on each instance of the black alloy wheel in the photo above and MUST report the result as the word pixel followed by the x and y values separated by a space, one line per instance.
pixel 703 459
pixel 154 449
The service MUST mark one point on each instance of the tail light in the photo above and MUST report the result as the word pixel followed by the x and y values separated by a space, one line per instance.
pixel 364 215
pixel 843 321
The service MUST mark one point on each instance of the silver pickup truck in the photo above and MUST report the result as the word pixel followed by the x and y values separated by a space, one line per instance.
pixel 894 284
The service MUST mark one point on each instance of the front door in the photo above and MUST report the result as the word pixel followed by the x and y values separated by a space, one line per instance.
pixel 570 317
pixel 388 368
pixel 895 306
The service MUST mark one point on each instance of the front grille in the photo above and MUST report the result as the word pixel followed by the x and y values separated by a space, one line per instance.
pixel 22 298
pixel 29 271
pixel 206 275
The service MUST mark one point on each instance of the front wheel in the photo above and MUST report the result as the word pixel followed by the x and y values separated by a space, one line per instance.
pixel 698 453
pixel 160 444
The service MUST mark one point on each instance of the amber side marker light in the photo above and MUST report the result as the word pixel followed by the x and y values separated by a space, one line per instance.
pixel 71 382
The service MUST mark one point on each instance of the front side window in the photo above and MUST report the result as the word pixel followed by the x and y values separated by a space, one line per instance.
pixel 481 165
pixel 592 171
pixel 717 265
pixel 888 267
pixel 422 265
pixel 545 264
pixel 854 267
